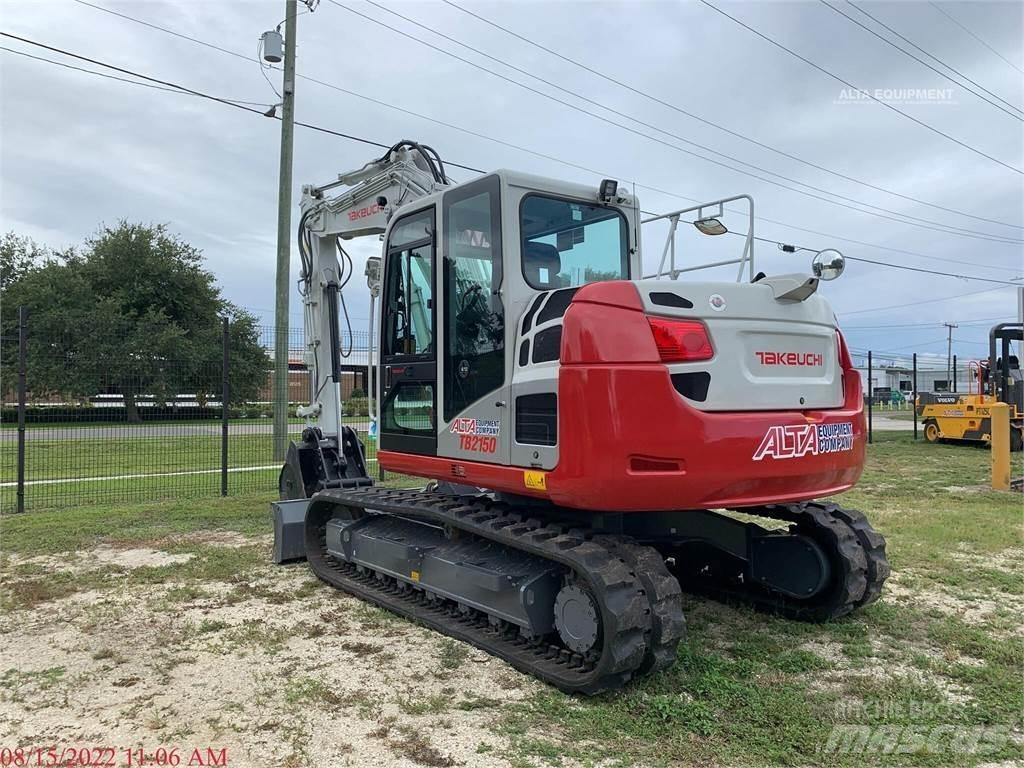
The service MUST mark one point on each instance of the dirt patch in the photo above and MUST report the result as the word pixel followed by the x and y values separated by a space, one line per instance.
pixel 136 557
pixel 230 539
pixel 102 556
pixel 882 666
pixel 1009 561
pixel 275 667
pixel 975 610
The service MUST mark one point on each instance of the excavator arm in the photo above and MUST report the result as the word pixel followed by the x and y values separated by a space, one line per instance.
pixel 358 204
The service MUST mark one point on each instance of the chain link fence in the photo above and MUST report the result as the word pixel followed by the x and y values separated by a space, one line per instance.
pixel 80 426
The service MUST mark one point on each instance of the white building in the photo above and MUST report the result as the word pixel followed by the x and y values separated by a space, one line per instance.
pixel 888 378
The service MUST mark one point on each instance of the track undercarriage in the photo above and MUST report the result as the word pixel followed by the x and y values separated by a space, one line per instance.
pixel 584 603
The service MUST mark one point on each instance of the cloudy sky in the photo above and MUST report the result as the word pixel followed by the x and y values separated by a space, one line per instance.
pixel 78 149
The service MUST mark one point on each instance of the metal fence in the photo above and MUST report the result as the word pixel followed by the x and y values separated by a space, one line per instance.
pixel 81 426
pixel 892 382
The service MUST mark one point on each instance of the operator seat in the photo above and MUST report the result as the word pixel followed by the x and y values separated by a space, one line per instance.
pixel 541 265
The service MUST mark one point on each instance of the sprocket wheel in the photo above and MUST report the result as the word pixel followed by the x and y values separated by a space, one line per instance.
pixel 576 618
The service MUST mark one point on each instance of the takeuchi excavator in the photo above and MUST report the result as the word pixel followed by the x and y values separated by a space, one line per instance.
pixel 585 433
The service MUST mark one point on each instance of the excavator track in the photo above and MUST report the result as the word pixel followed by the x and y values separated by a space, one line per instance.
pixel 636 634
pixel 855 550
pixel 668 623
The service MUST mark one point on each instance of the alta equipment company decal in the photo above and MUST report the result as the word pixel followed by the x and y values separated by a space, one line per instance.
pixel 794 441
pixel 477 434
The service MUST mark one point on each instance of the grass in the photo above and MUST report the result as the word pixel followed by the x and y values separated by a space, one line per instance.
pixel 942 650
pixel 747 689
pixel 79 458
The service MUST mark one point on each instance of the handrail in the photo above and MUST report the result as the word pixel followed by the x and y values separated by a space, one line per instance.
pixel 668 252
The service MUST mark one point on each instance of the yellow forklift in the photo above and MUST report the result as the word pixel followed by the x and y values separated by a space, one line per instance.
pixel 967 417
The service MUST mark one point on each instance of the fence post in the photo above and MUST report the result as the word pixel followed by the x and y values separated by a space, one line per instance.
pixel 915 396
pixel 22 374
pixel 871 400
pixel 225 393
pixel 954 374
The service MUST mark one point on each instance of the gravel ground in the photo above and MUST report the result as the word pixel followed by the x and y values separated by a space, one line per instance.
pixel 272 666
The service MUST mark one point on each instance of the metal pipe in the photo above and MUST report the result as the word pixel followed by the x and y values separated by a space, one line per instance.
pixel 915 396
pixel 871 399
pixel 22 386
pixel 225 398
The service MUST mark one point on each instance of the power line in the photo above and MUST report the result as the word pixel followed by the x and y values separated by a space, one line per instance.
pixel 907 218
pixel 889 264
pixel 866 94
pixel 891 249
pixel 718 126
pixel 167 84
pixel 918 303
pixel 336 133
pixel 981 321
pixel 385 146
pixel 915 58
pixel 934 272
pixel 115 77
pixel 525 150
pixel 969 32
pixel 933 57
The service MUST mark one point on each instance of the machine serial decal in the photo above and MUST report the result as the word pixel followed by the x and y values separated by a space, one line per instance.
pixel 477 434
pixel 794 441
pixel 809 359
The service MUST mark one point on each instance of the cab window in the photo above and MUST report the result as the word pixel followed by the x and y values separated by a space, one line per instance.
pixel 567 243
pixel 409 292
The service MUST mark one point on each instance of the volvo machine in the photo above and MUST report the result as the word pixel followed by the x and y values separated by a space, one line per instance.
pixel 586 432
pixel 967 417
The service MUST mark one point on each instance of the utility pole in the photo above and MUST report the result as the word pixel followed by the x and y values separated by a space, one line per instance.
pixel 284 238
pixel 949 356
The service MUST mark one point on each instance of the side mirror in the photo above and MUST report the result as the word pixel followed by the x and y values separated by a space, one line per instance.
pixel 828 264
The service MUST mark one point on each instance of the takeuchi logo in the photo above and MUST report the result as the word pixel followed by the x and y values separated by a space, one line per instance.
pixel 809 359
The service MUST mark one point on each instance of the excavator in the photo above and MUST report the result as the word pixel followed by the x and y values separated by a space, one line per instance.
pixel 587 434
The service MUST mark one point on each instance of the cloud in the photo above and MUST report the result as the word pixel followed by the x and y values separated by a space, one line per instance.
pixel 79 150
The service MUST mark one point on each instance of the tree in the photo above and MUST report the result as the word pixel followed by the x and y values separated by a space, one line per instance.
pixel 133 314
pixel 18 256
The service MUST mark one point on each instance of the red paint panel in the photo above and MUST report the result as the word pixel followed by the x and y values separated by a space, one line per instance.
pixel 598 333
pixel 623 427
pixel 615 293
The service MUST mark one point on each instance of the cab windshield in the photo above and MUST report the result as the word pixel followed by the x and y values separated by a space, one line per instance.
pixel 567 243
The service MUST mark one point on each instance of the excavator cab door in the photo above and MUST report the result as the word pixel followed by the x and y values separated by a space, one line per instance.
pixel 408 356
pixel 475 414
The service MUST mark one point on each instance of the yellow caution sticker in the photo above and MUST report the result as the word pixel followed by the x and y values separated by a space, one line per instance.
pixel 415 575
pixel 535 480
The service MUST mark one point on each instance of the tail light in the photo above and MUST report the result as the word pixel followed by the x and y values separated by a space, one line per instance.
pixel 681 341
pixel 845 362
